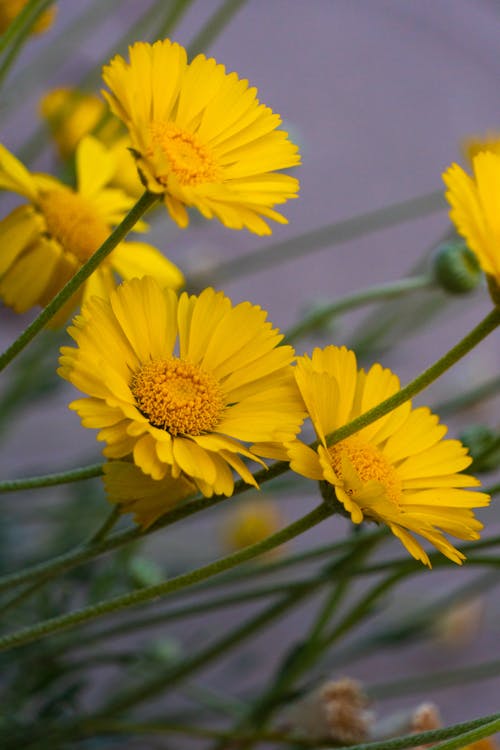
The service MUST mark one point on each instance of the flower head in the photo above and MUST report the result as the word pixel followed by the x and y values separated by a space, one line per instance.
pixel 398 470
pixel 200 136
pixel 72 114
pixel 182 410
pixel 475 208
pixel 10 9
pixel 47 239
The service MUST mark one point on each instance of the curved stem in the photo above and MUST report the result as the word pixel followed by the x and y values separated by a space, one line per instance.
pixel 57 624
pixel 18 31
pixel 143 204
pixel 368 296
pixel 490 322
pixel 50 480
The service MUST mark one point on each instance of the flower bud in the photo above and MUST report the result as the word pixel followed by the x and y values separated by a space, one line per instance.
pixel 456 268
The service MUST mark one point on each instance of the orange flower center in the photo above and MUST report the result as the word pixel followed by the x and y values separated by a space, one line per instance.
pixel 178 396
pixel 73 222
pixel 189 159
pixel 369 463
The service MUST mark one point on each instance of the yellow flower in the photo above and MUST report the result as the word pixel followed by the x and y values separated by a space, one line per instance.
pixel 251 522
pixel 9 9
pixel 71 114
pixel 475 208
pixel 200 136
pixel 148 499
pixel 46 240
pixel 182 410
pixel 398 471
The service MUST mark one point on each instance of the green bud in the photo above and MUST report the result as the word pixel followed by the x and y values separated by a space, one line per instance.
pixel 456 268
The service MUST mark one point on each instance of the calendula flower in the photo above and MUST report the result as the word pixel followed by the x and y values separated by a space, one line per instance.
pixel 475 208
pixel 135 492
pixel 46 240
pixel 72 114
pixel 399 470
pixel 200 136
pixel 182 410
pixel 9 9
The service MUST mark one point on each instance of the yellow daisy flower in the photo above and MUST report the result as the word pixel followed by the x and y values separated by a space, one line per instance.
pixel 10 9
pixel 182 410
pixel 200 136
pixel 71 114
pixel 398 471
pixel 475 208
pixel 45 241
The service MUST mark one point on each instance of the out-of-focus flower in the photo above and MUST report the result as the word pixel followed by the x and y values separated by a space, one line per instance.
pixel 250 522
pixel 9 9
pixel 475 211
pixel 71 114
pixel 398 470
pixel 200 136
pixel 135 492
pixel 459 625
pixel 426 717
pixel 336 710
pixel 186 413
pixel 46 240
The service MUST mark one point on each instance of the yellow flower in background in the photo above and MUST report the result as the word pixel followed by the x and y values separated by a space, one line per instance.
pixel 71 114
pixel 475 208
pixel 201 138
pixel 185 408
pixel 398 471
pixel 46 240
pixel 10 9
pixel 135 492
pixel 250 522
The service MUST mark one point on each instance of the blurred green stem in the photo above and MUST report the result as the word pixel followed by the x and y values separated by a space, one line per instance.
pixel 351 301
pixel 326 236
pixel 51 480
pixel 14 38
pixel 213 27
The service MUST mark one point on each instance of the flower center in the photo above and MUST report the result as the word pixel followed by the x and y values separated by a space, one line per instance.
pixel 73 222
pixel 178 396
pixel 369 463
pixel 188 158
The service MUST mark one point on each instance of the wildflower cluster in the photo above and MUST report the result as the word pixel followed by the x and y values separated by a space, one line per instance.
pixel 197 398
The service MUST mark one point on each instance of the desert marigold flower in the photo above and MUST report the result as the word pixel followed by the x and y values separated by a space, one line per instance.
pixel 200 136
pixel 398 470
pixel 475 209
pixel 182 410
pixel 72 114
pixel 9 9
pixel 46 240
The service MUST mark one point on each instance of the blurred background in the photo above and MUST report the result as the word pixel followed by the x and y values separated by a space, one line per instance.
pixel 379 94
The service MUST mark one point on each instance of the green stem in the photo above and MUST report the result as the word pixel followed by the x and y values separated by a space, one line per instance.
pixel 13 39
pixel 136 212
pixel 388 291
pixel 86 614
pixel 490 322
pixel 102 532
pixel 50 480
pixel 469 737
pixel 326 236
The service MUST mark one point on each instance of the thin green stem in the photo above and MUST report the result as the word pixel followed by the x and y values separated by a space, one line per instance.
pixel 213 27
pixel 108 523
pixel 86 614
pixel 13 39
pixel 432 373
pixel 136 212
pixel 387 291
pixel 469 737
pixel 51 480
pixel 326 236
